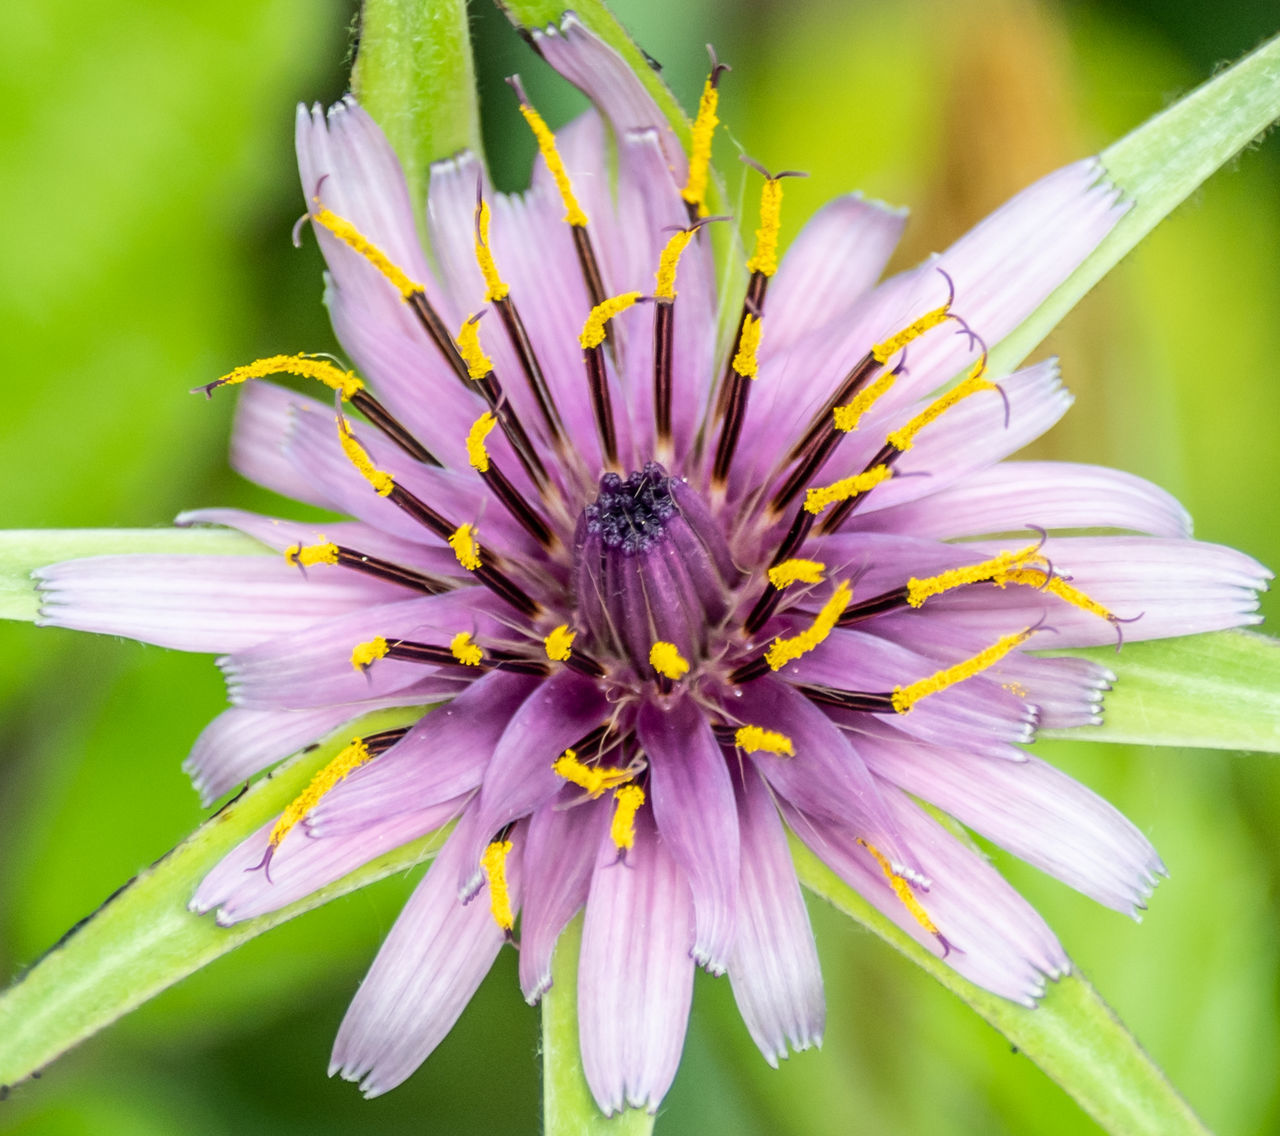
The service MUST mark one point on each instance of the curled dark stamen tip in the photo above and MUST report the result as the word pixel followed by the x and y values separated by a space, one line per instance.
pixel 513 81
pixel 295 234
pixel 1042 533
pixel 761 169
pixel 717 68
pixel 951 284
pixel 264 865
pixel 1008 408
pixel 206 390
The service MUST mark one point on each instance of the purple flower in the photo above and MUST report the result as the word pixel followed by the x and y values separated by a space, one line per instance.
pixel 670 596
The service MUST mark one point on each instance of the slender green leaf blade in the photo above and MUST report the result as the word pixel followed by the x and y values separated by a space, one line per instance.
pixel 1157 166
pixel 568 1109
pixel 24 550
pixel 414 74
pixel 143 939
pixel 1073 1035
pixel 1219 691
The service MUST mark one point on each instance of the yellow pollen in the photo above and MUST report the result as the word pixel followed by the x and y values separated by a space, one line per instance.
pixel 665 277
pixel 559 644
pixel 595 779
pixel 764 259
pixel 346 232
pixel 478 363
pixel 477 455
pixel 465 650
pixel 352 757
pixel 784 651
pixel 465 547
pixel 359 457
pixel 883 352
pixel 704 126
pixel 848 415
pixel 555 164
pixel 305 555
pixel 905 697
pixel 622 831
pixel 903 439
pixel 667 661
pixel 820 496
pixel 494 863
pixel 901 888
pixel 997 568
pixel 304 366
pixel 796 572
pixel 495 287
pixel 745 362
pixel 593 330
pixel 1056 586
pixel 756 739
pixel 366 654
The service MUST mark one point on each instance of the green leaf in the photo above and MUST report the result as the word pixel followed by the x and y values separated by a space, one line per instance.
pixel 143 939
pixel 24 550
pixel 568 1109
pixel 1157 167
pixel 414 74
pixel 1220 691
pixel 1072 1034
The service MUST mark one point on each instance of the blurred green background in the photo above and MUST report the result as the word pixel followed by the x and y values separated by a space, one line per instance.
pixel 147 200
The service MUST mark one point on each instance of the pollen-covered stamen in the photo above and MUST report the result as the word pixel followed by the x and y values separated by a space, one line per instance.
pixel 664 295
pixel 906 697
pixel 480 371
pixel 466 650
pixel 497 292
pixel 757 739
pixel 902 889
pixel 883 351
pixel 627 802
pixel 411 292
pixel 650 565
pixel 786 650
pixel 470 553
pixel 574 217
pixel 820 497
pixel 595 780
pixel 919 590
pixel 593 335
pixel 500 484
pixel 665 658
pixel 790 572
pixel 462 651
pixel 347 760
pixel 704 127
pixel 559 644
pixel 903 438
pixel 306 556
pixel 494 865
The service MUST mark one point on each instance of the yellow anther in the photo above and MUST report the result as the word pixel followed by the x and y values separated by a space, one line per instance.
pixel 366 654
pixel 903 439
pixel 1054 585
pixel 784 651
pixel 704 126
pixel 478 363
pixel 593 330
pixel 796 572
pixel 359 457
pixel 304 366
pixel 466 650
pixel 494 864
pixel 495 287
pixel 346 232
pixel 745 362
pixel 465 547
pixel 627 802
pixel 905 697
pixel 555 164
pixel 477 455
pixel 996 569
pixel 756 739
pixel 595 779
pixel 820 496
pixel 764 259
pixel 848 416
pixel 883 352
pixel 667 661
pixel 665 278
pixel 901 888
pixel 352 757
pixel 305 555
pixel 559 644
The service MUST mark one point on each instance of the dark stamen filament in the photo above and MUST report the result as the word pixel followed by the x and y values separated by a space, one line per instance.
pixel 382 418
pixel 428 653
pixel 663 334
pixel 601 404
pixel 517 506
pixel 391 572
pixel 529 364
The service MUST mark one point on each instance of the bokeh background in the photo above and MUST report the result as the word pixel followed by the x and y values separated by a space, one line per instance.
pixel 147 197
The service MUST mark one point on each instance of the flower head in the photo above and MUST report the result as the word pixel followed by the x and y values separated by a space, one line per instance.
pixel 673 595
